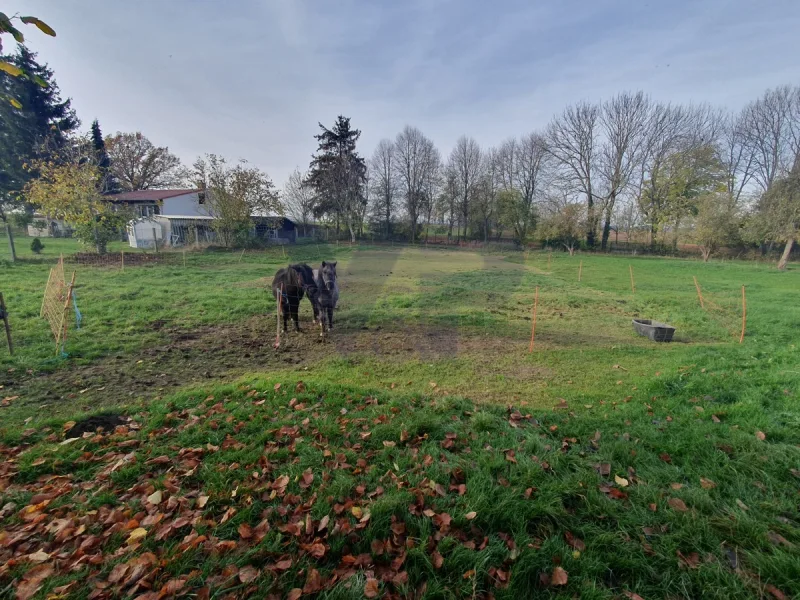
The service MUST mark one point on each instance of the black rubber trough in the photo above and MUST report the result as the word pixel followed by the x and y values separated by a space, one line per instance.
pixel 658 332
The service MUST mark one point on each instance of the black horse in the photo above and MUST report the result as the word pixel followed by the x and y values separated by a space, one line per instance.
pixel 327 293
pixel 291 284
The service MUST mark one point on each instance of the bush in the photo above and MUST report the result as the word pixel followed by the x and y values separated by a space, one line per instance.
pixel 37 246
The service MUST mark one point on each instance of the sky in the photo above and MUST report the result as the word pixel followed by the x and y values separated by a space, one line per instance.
pixel 251 79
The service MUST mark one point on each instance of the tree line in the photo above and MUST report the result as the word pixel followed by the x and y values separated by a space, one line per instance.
pixel 630 163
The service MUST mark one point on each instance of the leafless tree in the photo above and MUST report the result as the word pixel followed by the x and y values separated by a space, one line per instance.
pixel 572 141
pixel 298 197
pixel 737 156
pixel 140 165
pixel 523 170
pixel 485 203
pixel 383 178
pixel 770 130
pixel 623 122
pixel 466 164
pixel 415 159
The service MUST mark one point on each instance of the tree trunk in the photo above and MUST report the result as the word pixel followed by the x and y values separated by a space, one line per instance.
pixel 11 247
pixel 784 258
pixel 706 252
pixel 590 231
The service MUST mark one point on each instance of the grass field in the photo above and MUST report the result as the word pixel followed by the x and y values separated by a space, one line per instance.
pixel 420 451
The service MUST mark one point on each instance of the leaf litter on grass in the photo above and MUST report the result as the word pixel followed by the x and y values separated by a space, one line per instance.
pixel 316 502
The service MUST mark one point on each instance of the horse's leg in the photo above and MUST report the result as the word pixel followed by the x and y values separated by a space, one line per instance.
pixel 295 307
pixel 330 318
pixel 285 311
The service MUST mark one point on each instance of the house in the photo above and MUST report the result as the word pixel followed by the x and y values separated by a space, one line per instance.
pixel 181 217
pixel 42 226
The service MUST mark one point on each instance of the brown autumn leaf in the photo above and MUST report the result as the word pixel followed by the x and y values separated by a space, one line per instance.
pixel 283 565
pixel 558 577
pixel 665 457
pixel 715 419
pixel 779 540
pixel 707 484
pixel 510 456
pixel 633 595
pixel 575 542
pixel 760 435
pixel 371 588
pixel 245 531
pixel 317 550
pixel 306 479
pixel 438 559
pixel 677 504
pixel 32 581
pixel 172 587
pixel 294 594
pixel 248 574
pixel 652 507
pixel 742 505
pixel 603 469
pixel 690 561
pixel 202 501
pixel 777 594
pixel 471 515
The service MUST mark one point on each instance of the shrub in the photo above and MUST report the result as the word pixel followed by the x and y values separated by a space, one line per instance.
pixel 37 246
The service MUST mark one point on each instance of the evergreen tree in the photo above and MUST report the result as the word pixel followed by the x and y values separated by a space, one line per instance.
pixel 109 183
pixel 337 174
pixel 38 120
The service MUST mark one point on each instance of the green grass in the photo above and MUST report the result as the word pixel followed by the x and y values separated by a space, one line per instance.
pixel 429 352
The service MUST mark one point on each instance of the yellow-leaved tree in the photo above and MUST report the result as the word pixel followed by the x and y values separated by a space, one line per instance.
pixel 69 188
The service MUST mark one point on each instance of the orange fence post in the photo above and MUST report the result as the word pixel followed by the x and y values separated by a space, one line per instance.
pixel 633 285
pixel 533 325
pixel 699 293
pixel 278 314
pixel 580 271
pixel 744 315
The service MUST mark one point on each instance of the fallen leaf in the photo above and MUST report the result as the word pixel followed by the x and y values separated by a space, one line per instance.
pixel 172 587
pixel 633 596
pixel 675 486
pixel 760 435
pixel 371 588
pixel 691 561
pixel 779 540
pixel 559 577
pixel 202 501
pixel 707 484
pixel 136 535
pixel 471 515
pixel 776 592
pixel 677 504
pixel 665 457
pixel 742 505
pixel 294 594
pixel 438 559
pixel 32 581
pixel 715 419
pixel 38 556
pixel 621 481
pixel 357 512
pixel 155 497
pixel 574 542
pixel 248 574
pixel 603 469
pixel 245 531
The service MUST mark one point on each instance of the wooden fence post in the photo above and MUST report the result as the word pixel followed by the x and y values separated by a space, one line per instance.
pixel 184 259
pixel 744 315
pixel 122 258
pixel 580 271
pixel 699 293
pixel 533 324
pixel 155 240
pixel 46 288
pixel 633 285
pixel 4 316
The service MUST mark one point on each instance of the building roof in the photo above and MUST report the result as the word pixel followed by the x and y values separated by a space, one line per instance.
pixel 150 195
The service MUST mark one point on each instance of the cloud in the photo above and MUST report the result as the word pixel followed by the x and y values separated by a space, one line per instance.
pixel 251 79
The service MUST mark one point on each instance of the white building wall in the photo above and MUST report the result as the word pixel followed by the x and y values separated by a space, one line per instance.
pixel 184 205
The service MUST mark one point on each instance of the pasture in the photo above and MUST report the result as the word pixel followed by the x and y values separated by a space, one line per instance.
pixel 420 451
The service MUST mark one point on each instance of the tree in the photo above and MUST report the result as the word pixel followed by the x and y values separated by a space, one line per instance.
pixel 137 164
pixel 416 160
pixel 68 187
pixel 382 167
pixel 337 173
pixel 109 183
pixel 234 194
pixel 622 122
pixel 485 204
pixel 34 117
pixel 523 170
pixel 466 163
pixel 779 211
pixel 715 224
pixel 572 141
pixel 565 225
pixel 298 198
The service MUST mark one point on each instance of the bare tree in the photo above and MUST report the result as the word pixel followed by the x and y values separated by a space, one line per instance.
pixel 572 141
pixel 383 178
pixel 623 122
pixel 770 131
pixel 140 165
pixel 299 198
pixel 466 164
pixel 485 204
pixel 415 158
pixel 737 156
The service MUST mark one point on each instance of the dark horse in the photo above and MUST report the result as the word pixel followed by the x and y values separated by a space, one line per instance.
pixel 327 293
pixel 291 284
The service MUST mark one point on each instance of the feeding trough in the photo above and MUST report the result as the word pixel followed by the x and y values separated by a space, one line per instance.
pixel 658 332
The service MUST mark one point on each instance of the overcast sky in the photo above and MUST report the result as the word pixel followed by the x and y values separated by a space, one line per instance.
pixel 251 78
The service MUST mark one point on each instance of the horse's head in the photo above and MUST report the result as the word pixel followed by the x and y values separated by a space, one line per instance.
pixel 328 274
